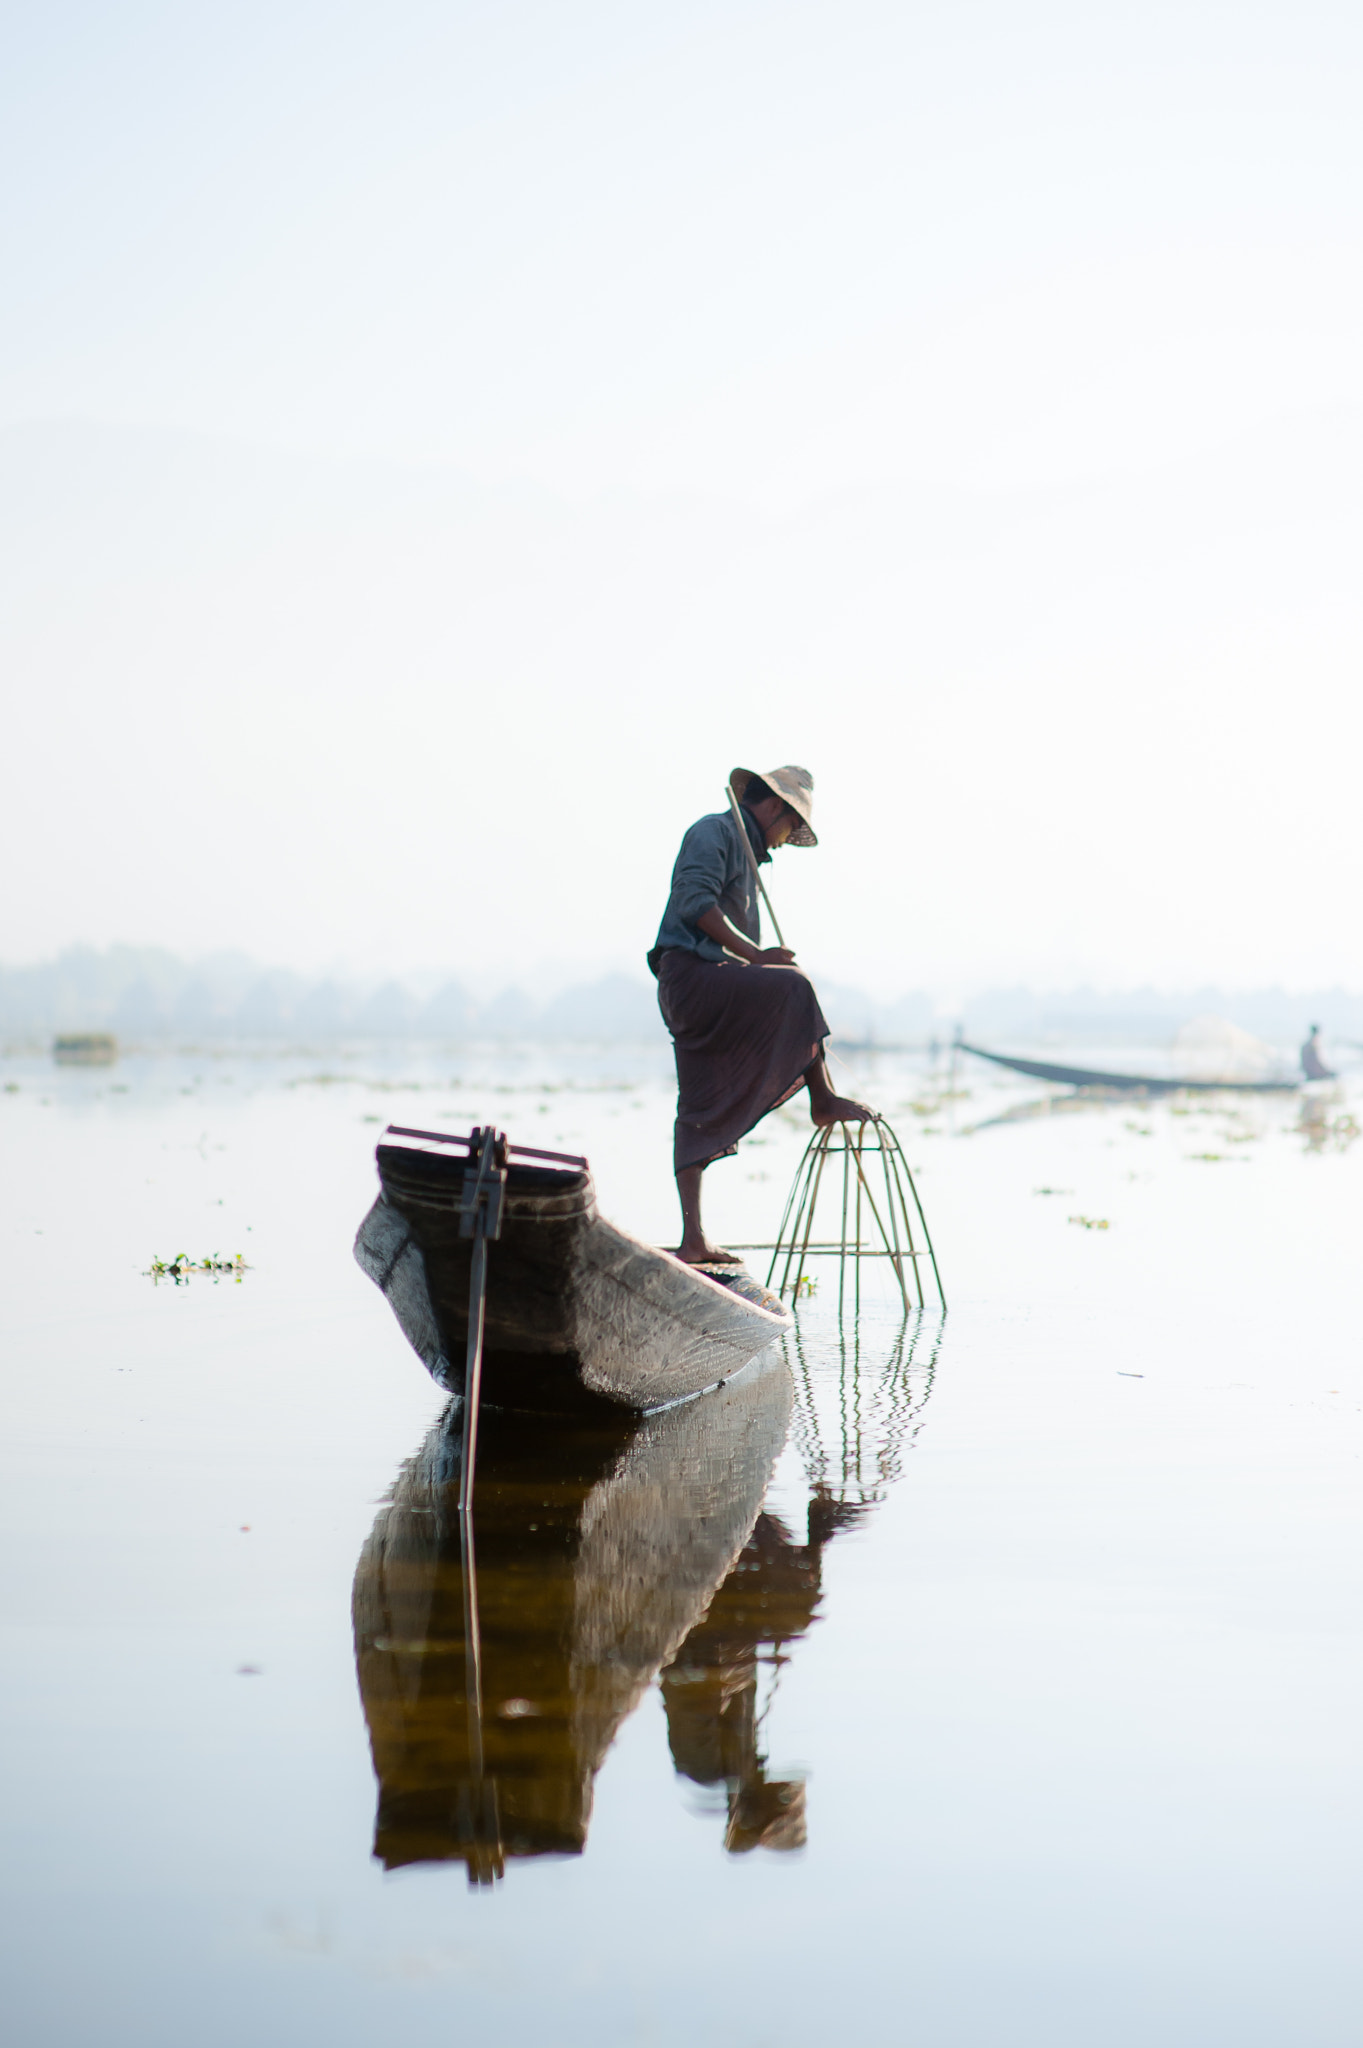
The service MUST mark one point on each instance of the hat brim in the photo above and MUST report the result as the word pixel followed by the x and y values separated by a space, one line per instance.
pixel 804 833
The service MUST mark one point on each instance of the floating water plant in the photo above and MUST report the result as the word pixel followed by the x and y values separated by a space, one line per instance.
pixel 181 1268
pixel 1091 1222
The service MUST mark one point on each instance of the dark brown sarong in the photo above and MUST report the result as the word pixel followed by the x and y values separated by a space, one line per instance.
pixel 744 1037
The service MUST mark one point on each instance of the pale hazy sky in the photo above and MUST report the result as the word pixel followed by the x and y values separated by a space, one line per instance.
pixel 437 442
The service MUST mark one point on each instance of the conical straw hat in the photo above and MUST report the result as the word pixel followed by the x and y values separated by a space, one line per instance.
pixel 794 786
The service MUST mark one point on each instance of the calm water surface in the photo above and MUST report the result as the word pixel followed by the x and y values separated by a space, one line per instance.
pixel 985 1680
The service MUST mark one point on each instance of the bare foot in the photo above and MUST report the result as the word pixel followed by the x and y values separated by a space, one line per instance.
pixel 840 1109
pixel 699 1251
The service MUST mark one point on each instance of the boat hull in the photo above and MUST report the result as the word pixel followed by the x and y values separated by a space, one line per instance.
pixel 579 1313
pixel 1145 1084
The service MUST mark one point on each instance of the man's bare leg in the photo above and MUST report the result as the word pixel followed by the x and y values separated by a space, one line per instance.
pixel 695 1247
pixel 827 1108
pixel 824 1107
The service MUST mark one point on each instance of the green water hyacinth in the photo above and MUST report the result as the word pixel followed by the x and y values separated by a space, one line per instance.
pixel 180 1269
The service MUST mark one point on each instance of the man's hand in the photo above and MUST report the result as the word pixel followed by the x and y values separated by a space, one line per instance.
pixel 716 926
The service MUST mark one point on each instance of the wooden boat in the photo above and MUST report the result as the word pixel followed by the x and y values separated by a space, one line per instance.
pixel 1149 1084
pixel 494 1686
pixel 85 1049
pixel 578 1312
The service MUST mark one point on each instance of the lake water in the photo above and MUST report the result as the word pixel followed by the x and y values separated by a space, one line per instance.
pixel 991 1680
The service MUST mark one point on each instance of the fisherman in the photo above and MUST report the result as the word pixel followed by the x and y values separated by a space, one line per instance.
pixel 1312 1065
pixel 745 1020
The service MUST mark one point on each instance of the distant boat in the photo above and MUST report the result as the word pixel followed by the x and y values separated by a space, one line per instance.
pixel 85 1049
pixel 579 1313
pixel 1149 1084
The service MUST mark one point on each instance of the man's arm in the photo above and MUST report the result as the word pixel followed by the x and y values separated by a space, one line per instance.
pixel 716 925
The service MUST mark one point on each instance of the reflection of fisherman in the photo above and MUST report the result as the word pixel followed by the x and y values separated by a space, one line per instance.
pixel 710 1688
pixel 745 1042
pixel 1312 1065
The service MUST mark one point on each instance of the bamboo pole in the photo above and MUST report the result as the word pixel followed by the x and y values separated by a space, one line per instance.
pixel 822 1153
pixel 806 1167
pixel 752 860
pixel 927 1234
pixel 899 1210
pixel 775 1249
pixel 894 1224
pixel 847 1144
pixel 842 1260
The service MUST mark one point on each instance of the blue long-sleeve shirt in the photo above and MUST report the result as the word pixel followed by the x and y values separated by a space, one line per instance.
pixel 712 870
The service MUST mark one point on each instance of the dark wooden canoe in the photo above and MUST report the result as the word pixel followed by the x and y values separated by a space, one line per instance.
pixel 493 1687
pixel 1148 1084
pixel 578 1312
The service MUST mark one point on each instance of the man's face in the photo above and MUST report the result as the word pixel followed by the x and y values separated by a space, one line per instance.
pixel 776 818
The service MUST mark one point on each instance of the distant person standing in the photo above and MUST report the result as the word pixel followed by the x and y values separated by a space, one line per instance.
pixel 745 1020
pixel 1312 1065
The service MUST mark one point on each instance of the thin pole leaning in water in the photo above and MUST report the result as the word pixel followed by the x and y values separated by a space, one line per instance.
pixel 473 1645
pixel 484 1843
pixel 481 1196
pixel 752 860
pixel 473 1369
pixel 480 1218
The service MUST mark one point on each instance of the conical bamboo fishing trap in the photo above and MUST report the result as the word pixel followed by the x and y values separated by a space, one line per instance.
pixel 857 1173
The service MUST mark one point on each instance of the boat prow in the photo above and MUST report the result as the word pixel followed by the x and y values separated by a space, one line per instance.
pixel 578 1311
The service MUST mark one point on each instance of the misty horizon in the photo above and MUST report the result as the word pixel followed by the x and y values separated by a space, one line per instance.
pixel 153 993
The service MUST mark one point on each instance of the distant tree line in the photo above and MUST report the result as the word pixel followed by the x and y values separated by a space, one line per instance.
pixel 140 992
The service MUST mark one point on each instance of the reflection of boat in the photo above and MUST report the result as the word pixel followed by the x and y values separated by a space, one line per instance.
pixel 1149 1084
pixel 576 1309
pixel 492 1699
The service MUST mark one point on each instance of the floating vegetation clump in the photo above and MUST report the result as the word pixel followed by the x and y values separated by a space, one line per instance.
pixel 1091 1222
pixel 181 1269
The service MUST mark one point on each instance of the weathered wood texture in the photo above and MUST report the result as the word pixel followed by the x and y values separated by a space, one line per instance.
pixel 578 1312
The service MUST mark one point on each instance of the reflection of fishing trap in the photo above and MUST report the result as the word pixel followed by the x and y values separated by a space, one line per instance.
pixel 860 1401
pixel 856 1417
pixel 877 1205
